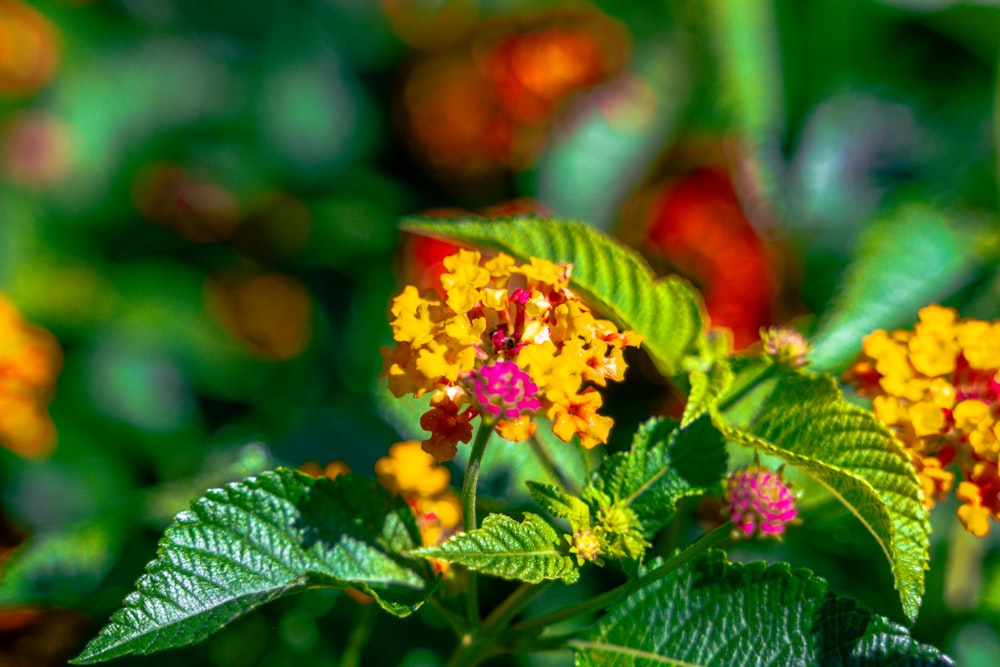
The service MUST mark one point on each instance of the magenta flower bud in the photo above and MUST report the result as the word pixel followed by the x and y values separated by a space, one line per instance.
pixel 502 389
pixel 758 501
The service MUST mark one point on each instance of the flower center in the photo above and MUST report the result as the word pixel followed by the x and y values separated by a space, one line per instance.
pixel 504 390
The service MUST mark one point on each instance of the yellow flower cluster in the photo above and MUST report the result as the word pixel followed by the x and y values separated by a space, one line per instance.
pixel 29 362
pixel 938 388
pixel 414 474
pixel 507 342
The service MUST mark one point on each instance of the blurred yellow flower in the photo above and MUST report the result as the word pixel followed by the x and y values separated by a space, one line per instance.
pixel 938 389
pixel 29 362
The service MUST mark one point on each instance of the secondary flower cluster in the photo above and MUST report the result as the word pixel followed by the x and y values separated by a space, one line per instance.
pixel 938 388
pixel 410 472
pixel 758 501
pixel 507 342
pixel 29 361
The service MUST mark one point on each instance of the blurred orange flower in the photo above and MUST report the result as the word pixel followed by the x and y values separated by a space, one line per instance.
pixel 271 313
pixel 29 49
pixel 30 359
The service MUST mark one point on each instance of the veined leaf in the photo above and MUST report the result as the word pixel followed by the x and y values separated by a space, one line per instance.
pixel 712 612
pixel 528 551
pixel 806 422
pixel 613 278
pixel 665 464
pixel 559 503
pixel 254 541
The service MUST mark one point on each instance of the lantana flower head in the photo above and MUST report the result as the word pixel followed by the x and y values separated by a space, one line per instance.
pixel 758 502
pixel 937 387
pixel 505 342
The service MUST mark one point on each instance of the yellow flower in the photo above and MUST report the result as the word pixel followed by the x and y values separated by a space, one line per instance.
pixel 938 388
pixel 507 342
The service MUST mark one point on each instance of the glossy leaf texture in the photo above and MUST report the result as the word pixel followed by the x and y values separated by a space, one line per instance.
pixel 664 465
pixel 713 612
pixel 612 277
pixel 251 542
pixel 909 257
pixel 806 422
pixel 529 551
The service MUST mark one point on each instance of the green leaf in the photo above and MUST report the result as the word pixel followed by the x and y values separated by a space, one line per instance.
pixel 528 551
pixel 665 464
pixel 710 376
pixel 911 256
pixel 559 503
pixel 806 422
pixel 63 567
pixel 257 540
pixel 612 277
pixel 712 612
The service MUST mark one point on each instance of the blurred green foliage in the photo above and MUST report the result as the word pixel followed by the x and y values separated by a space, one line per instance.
pixel 199 199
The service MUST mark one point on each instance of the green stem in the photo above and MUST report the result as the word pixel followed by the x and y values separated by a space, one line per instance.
pixel 738 393
pixel 596 603
pixel 606 599
pixel 469 484
pixel 361 632
pixel 708 540
pixel 542 454
pixel 482 644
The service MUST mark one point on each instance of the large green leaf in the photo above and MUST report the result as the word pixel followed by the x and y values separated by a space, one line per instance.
pixel 528 551
pixel 806 422
pixel 665 464
pixel 254 541
pixel 615 279
pixel 908 257
pixel 712 612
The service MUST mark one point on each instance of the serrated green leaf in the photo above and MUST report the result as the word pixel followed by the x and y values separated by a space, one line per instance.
pixel 612 277
pixel 909 257
pixel 712 612
pixel 254 541
pixel 528 551
pixel 559 503
pixel 664 465
pixel 806 422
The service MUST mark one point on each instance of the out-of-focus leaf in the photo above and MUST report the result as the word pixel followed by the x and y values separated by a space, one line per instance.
pixel 61 568
pixel 807 423
pixel 528 551
pixel 712 612
pixel 908 257
pixel 614 278
pixel 613 134
pixel 268 536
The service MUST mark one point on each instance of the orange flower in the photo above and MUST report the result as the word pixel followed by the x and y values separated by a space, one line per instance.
pixel 29 361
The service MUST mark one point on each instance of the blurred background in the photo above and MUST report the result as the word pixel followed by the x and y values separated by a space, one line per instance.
pixel 199 202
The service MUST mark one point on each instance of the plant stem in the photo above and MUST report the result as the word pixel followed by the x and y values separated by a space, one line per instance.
pixel 469 484
pixel 542 454
pixel 704 543
pixel 593 604
pixel 737 394
pixel 361 632
pixel 606 599
pixel 482 643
